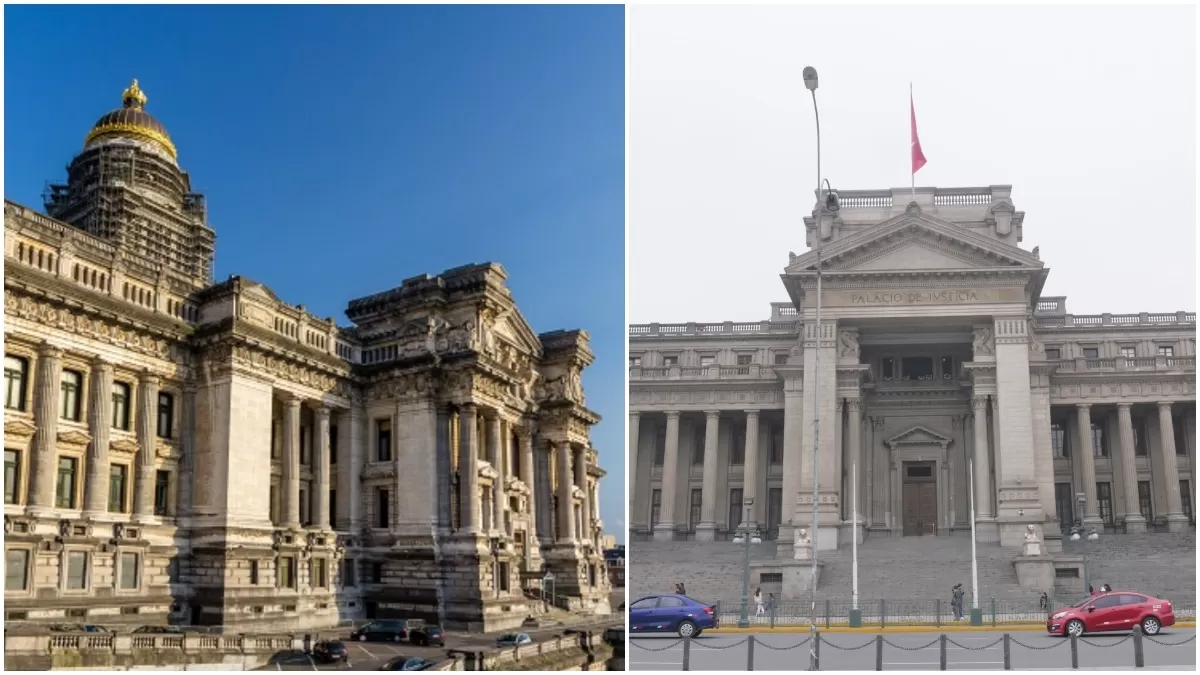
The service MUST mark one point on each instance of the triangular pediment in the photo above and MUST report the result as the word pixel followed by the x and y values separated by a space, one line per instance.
pixel 913 243
pixel 918 435
pixel 73 438
pixel 512 327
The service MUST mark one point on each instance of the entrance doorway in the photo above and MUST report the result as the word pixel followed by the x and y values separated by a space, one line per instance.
pixel 920 507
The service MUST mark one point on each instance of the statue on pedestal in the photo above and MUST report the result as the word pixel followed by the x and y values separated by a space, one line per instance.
pixel 802 548
pixel 1033 543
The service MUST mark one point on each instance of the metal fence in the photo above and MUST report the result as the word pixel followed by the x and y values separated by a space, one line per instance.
pixel 831 612
pixel 1029 651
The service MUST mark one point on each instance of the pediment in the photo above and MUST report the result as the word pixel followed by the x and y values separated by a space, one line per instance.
pixel 512 327
pixel 913 243
pixel 18 429
pixel 73 438
pixel 918 435
pixel 124 445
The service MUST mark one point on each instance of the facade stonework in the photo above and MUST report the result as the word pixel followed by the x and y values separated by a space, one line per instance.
pixel 207 454
pixel 939 356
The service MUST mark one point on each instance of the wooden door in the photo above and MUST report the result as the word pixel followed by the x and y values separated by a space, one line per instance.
pixel 929 508
pixel 920 509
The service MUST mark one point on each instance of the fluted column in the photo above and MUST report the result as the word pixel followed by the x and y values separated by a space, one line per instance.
pixel 706 528
pixel 566 508
pixel 320 458
pixel 468 469
pixel 585 511
pixel 853 454
pixel 665 529
pixel 291 462
pixel 1176 520
pixel 495 447
pixel 46 392
pixel 147 418
pixel 357 453
pixel 525 441
pixel 635 430
pixel 100 412
pixel 983 497
pixel 1087 464
pixel 750 468
pixel 1135 522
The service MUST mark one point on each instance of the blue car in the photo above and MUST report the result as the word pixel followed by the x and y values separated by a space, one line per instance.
pixel 677 614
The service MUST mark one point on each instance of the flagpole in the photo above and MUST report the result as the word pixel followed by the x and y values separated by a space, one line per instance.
pixel 911 174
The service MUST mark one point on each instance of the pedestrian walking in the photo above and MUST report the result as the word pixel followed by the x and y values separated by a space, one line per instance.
pixel 679 589
pixel 758 603
pixel 956 601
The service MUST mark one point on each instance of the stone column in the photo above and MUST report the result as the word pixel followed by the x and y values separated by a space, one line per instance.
pixel 525 440
pixel 750 468
pixel 635 430
pixel 468 469
pixel 1087 465
pixel 147 418
pixel 581 481
pixel 1135 522
pixel 100 413
pixel 793 459
pixel 1176 520
pixel 706 528
pixel 44 458
pixel 442 462
pixel 854 428
pixel 566 506
pixel 359 440
pixel 665 529
pixel 290 494
pixel 320 458
pixel 983 496
pixel 496 459
pixel 345 473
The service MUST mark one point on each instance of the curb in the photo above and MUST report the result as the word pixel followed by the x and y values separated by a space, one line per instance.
pixel 915 628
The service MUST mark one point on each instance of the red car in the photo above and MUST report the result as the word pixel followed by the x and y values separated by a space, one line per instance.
pixel 1115 610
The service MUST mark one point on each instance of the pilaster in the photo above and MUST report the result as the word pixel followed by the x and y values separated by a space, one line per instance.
pixel 147 418
pixel 100 419
pixel 44 458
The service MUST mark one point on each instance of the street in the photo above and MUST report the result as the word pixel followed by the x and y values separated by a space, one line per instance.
pixel 1173 649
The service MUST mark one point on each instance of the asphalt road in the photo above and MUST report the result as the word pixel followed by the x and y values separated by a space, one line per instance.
pixel 1175 650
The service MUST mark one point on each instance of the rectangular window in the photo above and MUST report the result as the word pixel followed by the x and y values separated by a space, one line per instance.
pixel 129 571
pixel 117 474
pixel 348 576
pixel 16 569
pixel 16 371
pixel 697 497
pixel 1166 350
pixel 383 436
pixel 69 388
pixel 947 367
pixel 77 570
pixel 1091 352
pixel 317 573
pixel 12 476
pixel 377 573
pixel 383 508
pixel 776 452
pixel 1058 440
pixel 173 571
pixel 707 360
pixel 120 406
pixel 287 572
pixel 253 572
pixel 333 435
pixel 274 506
pixel 744 359
pixel 1185 500
pixel 65 493
pixel 1099 440
pixel 1053 354
pixel 333 507
pixel 655 506
pixel 917 368
pixel 305 448
pixel 1128 352
pixel 887 368
pixel 274 439
pixel 1104 499
pixel 503 574
pixel 162 492
pixel 781 358
pixel 635 361
pixel 304 504
pixel 669 361
pixel 166 415
pixel 1145 502
pixel 737 510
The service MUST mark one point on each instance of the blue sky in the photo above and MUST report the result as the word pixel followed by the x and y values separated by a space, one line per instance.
pixel 344 149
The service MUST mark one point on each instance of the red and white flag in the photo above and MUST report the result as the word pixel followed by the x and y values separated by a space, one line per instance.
pixel 918 157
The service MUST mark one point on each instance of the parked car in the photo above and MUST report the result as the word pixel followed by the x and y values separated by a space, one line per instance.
pixel 390 630
pixel 331 651
pixel 513 640
pixel 615 637
pixel 76 628
pixel 1114 610
pixel 407 663
pixel 427 636
pixel 671 614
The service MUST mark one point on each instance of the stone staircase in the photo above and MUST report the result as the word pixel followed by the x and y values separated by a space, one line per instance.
pixel 1163 565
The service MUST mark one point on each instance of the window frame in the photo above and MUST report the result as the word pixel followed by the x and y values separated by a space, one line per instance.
pixel 119 577
pixel 121 391
pixel 70 395
pixel 21 380
pixel 115 469
pixel 285 577
pixel 166 489
pixel 73 502
pixel 18 458
pixel 65 576
pixel 164 415
pixel 27 573
pixel 382 434
pixel 1165 351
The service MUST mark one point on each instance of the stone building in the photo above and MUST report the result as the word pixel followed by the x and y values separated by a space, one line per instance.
pixel 938 352
pixel 178 450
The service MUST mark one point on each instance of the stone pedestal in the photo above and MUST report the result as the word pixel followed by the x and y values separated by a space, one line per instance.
pixel 987 531
pixel 1035 572
pixel 706 532
pixel 798 579
pixel 848 533
pixel 662 533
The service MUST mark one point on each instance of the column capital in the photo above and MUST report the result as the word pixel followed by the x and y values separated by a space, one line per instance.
pixel 751 414
pixel 468 408
pixel 289 399
pixel 710 414
pixel 148 377
pixel 1124 406
pixel 322 412
pixel 672 414
pixel 979 402
pixel 634 414
pixel 839 404
pixel 1164 405
pixel 102 364
pixel 47 350
pixel 854 404
pixel 1083 407
pixel 490 414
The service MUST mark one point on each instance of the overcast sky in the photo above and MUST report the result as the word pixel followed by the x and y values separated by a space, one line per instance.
pixel 1089 112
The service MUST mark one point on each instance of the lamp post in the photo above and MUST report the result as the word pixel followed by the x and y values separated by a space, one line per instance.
pixel 746 534
pixel 1078 533
pixel 976 613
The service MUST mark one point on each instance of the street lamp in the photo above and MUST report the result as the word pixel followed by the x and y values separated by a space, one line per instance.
pixel 1079 533
pixel 746 534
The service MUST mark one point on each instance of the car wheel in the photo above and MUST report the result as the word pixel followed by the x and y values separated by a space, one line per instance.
pixel 398 637
pixel 686 629
pixel 1150 626
pixel 362 638
pixel 1075 627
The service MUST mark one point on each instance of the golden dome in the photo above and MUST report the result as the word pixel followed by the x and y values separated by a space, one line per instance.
pixel 131 120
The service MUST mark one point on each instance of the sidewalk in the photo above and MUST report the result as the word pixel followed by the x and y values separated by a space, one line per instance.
pixel 930 627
